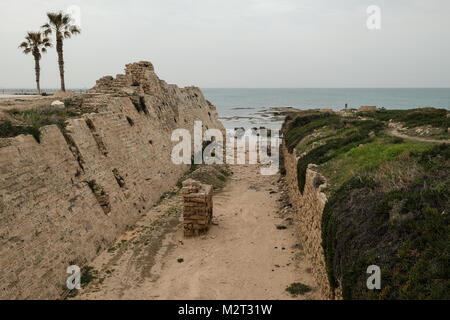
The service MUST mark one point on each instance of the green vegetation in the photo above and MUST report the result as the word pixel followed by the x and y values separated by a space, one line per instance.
pixel 30 121
pixel 88 274
pixel 348 135
pixel 413 118
pixel 36 43
pixel 367 158
pixel 297 288
pixel 42 117
pixel 302 126
pixel 215 175
pixel 7 129
pixel 60 24
pixel 192 168
pixel 388 201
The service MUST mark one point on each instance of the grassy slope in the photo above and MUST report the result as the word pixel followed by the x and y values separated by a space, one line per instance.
pixel 29 121
pixel 32 120
pixel 388 201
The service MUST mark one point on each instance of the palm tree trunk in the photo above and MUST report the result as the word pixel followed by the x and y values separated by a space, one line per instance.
pixel 59 49
pixel 37 70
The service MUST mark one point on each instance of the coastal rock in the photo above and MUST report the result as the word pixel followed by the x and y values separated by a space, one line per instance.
pixel 57 103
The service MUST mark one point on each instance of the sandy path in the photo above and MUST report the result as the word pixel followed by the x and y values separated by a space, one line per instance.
pixel 243 256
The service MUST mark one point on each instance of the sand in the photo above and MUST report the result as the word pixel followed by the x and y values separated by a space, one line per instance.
pixel 243 256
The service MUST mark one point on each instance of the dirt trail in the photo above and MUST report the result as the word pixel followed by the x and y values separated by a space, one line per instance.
pixel 243 256
pixel 396 133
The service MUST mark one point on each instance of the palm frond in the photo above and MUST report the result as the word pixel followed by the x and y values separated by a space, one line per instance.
pixel 54 17
pixel 47 29
pixel 35 43
pixel 61 23
pixel 66 19
pixel 75 30
pixel 48 44
pixel 23 45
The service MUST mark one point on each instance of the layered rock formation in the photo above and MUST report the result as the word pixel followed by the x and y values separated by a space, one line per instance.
pixel 65 199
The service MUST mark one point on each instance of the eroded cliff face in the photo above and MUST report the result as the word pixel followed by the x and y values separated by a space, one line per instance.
pixel 65 199
pixel 308 208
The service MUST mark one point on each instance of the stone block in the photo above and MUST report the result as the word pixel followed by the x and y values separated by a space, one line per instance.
pixel 198 207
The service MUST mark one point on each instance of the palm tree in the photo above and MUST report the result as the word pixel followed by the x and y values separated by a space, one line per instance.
pixel 61 24
pixel 35 44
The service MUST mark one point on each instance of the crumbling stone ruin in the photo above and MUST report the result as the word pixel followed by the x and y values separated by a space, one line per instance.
pixel 198 207
pixel 66 198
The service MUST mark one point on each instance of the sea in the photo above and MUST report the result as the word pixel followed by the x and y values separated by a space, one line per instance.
pixel 252 108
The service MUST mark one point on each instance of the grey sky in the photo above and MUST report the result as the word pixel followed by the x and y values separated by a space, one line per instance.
pixel 239 43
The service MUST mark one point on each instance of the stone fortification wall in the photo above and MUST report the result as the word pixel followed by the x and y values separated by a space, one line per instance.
pixel 65 199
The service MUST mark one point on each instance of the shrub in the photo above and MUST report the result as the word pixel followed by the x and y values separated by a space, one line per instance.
pixel 297 288
pixel 7 129
pixel 304 125
pixel 352 137
pixel 413 252
pixel 32 120
pixel 413 118
pixel 404 229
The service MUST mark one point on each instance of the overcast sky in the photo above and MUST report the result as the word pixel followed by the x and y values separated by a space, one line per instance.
pixel 239 43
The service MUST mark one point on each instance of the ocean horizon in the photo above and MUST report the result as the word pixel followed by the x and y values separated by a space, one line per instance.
pixel 251 107
pixel 241 107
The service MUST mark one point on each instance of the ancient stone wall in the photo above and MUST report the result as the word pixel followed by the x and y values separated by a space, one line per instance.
pixel 308 218
pixel 367 108
pixel 65 199
pixel 197 207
